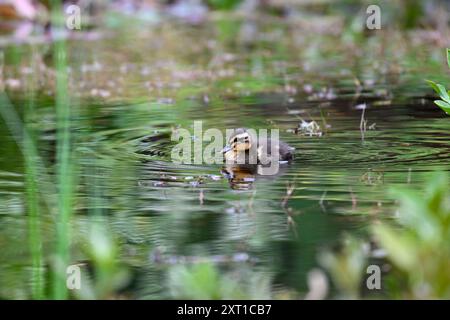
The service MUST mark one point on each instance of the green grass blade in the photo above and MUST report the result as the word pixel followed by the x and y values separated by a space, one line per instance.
pixel 63 160
pixel 32 195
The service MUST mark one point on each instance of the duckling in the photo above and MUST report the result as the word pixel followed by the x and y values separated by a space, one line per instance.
pixel 241 143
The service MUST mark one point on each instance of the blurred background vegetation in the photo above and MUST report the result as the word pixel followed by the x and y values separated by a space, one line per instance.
pixel 85 171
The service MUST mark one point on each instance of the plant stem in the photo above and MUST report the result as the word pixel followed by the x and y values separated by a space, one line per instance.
pixel 63 159
pixel 32 196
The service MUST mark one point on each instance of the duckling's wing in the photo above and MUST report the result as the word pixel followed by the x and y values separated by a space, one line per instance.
pixel 286 151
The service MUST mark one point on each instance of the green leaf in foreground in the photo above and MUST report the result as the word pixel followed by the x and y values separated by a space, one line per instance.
pixel 433 85
pixel 418 245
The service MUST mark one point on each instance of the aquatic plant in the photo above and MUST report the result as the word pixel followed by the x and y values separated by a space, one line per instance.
pixel 415 248
pixel 32 194
pixel 444 103
pixel 64 163
pixel 419 250
pixel 102 277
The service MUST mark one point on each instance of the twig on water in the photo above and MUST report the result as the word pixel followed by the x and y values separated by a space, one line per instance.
pixel 354 201
pixel 289 191
pixel 201 197
pixel 363 122
pixel 291 222
pixel 289 212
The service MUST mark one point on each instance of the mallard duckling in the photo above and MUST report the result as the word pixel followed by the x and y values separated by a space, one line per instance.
pixel 241 143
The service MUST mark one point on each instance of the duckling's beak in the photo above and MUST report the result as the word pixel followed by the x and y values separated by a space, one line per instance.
pixel 226 149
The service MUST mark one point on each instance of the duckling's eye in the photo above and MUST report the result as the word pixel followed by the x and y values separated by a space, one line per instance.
pixel 235 140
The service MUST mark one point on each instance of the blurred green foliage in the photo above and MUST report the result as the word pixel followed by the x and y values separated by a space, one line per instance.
pixel 417 248
pixel 420 249
pixel 107 276
pixel 347 267
pixel 205 281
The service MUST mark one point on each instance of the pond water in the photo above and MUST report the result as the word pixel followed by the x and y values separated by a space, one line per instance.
pixel 130 89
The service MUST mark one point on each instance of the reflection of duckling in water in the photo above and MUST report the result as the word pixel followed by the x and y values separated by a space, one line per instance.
pixel 241 177
pixel 246 158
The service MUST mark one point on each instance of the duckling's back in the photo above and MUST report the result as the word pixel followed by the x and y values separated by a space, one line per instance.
pixel 285 151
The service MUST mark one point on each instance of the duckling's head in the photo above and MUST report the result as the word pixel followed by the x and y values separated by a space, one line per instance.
pixel 240 141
